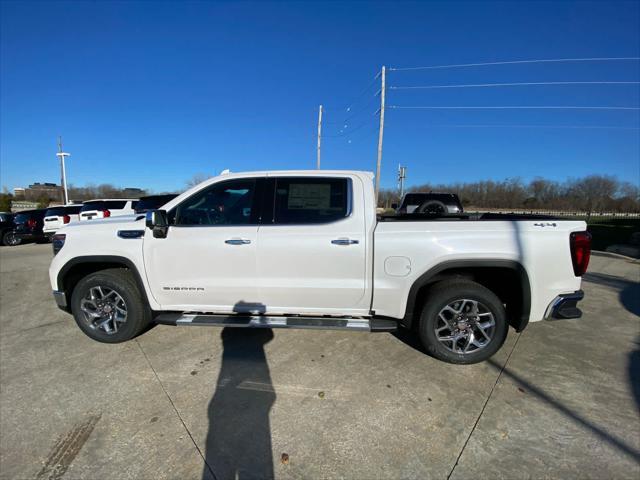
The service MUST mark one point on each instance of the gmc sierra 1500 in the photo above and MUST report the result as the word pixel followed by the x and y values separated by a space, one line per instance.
pixel 304 249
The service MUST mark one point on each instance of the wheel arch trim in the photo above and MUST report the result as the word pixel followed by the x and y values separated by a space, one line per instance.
pixel 97 259
pixel 426 278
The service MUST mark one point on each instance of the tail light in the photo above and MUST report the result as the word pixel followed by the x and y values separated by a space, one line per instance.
pixel 580 252
pixel 66 219
pixel 31 223
pixel 57 242
pixel 106 213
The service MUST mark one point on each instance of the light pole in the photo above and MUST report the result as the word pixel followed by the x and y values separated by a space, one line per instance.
pixel 62 155
pixel 381 132
pixel 319 135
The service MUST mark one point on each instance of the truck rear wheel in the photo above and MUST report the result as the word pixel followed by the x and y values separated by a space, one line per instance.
pixel 462 322
pixel 108 306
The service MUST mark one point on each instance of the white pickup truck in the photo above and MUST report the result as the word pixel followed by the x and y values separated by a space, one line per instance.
pixel 305 249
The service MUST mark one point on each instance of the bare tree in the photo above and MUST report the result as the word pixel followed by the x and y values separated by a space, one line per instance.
pixel 197 179
pixel 594 192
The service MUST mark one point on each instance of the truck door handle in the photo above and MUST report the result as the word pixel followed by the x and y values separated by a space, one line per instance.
pixel 237 241
pixel 344 241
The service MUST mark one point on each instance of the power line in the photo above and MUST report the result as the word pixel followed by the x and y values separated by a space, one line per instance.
pixel 514 62
pixel 508 107
pixel 515 84
pixel 362 134
pixel 494 125
pixel 354 113
pixel 356 99
pixel 344 133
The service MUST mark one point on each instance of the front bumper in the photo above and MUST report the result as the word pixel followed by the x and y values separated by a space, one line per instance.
pixel 61 300
pixel 565 306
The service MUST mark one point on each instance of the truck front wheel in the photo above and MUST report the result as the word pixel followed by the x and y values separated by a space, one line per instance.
pixel 462 322
pixel 108 306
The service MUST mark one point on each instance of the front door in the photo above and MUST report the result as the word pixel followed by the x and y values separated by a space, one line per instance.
pixel 207 262
pixel 312 254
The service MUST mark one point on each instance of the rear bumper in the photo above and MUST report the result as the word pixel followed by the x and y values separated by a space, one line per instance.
pixel 61 300
pixel 565 306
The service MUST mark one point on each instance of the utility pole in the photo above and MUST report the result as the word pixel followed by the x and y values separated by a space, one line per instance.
pixel 381 134
pixel 402 174
pixel 319 134
pixel 63 176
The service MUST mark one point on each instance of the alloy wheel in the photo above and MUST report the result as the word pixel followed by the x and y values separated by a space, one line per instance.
pixel 103 309
pixel 465 326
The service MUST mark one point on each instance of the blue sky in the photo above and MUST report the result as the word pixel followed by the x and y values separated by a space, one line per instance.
pixel 148 94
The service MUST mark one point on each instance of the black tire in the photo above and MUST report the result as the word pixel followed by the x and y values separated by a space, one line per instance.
pixel 447 292
pixel 121 281
pixel 9 239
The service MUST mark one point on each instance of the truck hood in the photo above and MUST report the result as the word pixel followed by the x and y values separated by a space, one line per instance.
pixel 129 222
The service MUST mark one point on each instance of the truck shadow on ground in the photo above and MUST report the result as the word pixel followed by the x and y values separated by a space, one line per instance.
pixel 411 339
pixel 540 394
pixel 629 297
pixel 628 291
pixel 238 442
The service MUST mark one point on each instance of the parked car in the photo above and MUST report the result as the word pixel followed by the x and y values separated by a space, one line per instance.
pixel 430 203
pixel 6 230
pixel 303 249
pixel 29 225
pixel 59 216
pixel 153 202
pixel 107 208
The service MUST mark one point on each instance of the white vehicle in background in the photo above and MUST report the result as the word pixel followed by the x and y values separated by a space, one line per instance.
pixel 104 208
pixel 59 216
pixel 304 249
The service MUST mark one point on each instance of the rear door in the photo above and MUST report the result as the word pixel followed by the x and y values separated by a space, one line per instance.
pixel 207 262
pixel 311 247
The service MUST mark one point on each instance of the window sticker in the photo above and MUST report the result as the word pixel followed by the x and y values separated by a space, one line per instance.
pixel 309 196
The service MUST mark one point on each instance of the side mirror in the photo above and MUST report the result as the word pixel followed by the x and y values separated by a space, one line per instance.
pixel 156 220
pixel 394 206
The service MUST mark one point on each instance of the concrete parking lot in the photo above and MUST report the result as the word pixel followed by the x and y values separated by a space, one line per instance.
pixel 561 400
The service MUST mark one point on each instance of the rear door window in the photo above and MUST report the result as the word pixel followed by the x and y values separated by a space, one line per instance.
pixel 308 200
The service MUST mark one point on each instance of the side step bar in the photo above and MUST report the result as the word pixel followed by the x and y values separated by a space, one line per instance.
pixel 264 321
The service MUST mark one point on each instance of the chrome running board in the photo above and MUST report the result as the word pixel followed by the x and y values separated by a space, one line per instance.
pixel 264 321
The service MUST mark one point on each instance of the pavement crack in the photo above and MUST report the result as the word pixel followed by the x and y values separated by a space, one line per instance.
pixel 473 429
pixel 175 409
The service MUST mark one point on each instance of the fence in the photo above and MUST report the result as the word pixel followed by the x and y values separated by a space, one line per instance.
pixel 556 213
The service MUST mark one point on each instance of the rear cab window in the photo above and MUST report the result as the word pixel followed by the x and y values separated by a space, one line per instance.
pixel 103 205
pixel 61 211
